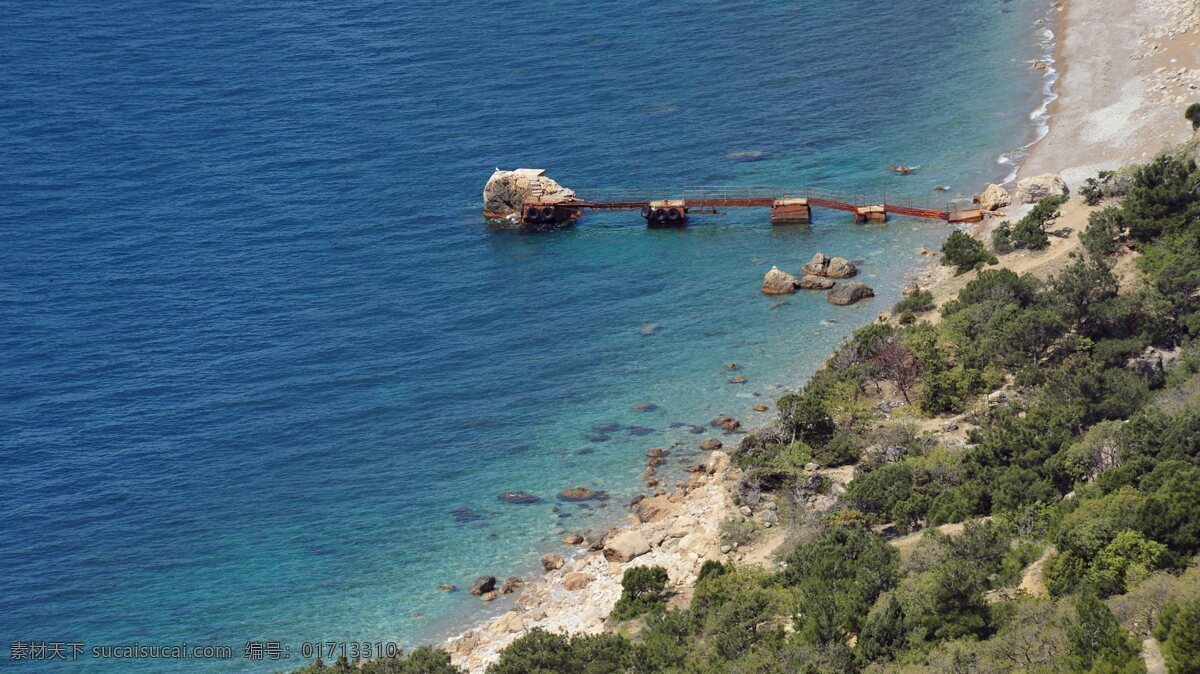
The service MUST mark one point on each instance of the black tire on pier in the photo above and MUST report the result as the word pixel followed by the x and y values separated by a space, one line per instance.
pixel 547 213
pixel 674 215
pixel 646 212
pixel 660 214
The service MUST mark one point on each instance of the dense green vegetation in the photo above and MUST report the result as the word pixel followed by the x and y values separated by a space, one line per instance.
pixel 965 253
pixel 1077 446
pixel 1030 231
pixel 642 591
pixel 906 310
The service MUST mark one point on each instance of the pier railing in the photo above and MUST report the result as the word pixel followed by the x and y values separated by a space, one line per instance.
pixel 705 195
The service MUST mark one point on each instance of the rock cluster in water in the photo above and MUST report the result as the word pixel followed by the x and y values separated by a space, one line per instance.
pixel 832 267
pixel 819 273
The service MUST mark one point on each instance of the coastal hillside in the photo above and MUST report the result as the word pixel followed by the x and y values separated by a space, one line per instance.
pixel 1042 435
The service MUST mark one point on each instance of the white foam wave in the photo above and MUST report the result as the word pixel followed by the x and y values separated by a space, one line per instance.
pixel 1040 116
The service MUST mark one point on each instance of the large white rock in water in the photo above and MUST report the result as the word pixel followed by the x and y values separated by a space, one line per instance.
pixel 1033 189
pixel 778 282
pixel 507 191
pixel 993 197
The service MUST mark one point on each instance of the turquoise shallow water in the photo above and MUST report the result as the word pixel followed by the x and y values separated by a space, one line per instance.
pixel 261 357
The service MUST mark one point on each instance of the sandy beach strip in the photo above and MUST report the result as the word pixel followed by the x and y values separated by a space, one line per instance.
pixel 1127 71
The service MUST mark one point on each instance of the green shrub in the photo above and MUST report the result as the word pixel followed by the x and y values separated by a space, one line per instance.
pixel 964 253
pixel 1097 642
pixel 1192 114
pixel 1102 237
pixel 641 592
pixel 1030 231
pixel 420 660
pixel 917 303
pixel 805 418
pixel 1179 628
pixel 947 390
pixel 1162 200
pixel 710 569
pixel 541 652
pixel 1002 238
pixel 884 633
pixel 844 448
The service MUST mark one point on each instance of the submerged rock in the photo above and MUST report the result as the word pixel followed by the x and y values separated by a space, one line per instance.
pixel 745 156
pixel 518 498
pixel 581 494
pixel 463 515
pixel 849 293
pixel 710 444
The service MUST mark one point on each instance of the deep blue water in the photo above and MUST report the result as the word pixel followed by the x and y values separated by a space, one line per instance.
pixel 257 347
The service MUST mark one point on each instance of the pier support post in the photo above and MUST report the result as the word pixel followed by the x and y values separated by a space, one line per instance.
pixel 665 213
pixel 791 212
pixel 870 214
pixel 543 215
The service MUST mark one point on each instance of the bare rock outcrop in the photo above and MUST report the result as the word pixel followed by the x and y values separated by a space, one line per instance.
pixel 849 293
pixel 777 282
pixel 833 267
pixel 1035 188
pixel 993 197
pixel 657 509
pixel 625 546
pixel 506 192
pixel 575 581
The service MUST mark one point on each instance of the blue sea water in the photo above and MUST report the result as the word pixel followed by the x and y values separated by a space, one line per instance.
pixel 261 362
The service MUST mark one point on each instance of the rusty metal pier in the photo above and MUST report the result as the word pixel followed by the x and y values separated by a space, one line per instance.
pixel 786 207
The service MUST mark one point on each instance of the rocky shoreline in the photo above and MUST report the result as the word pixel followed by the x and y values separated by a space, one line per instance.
pixel 678 530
